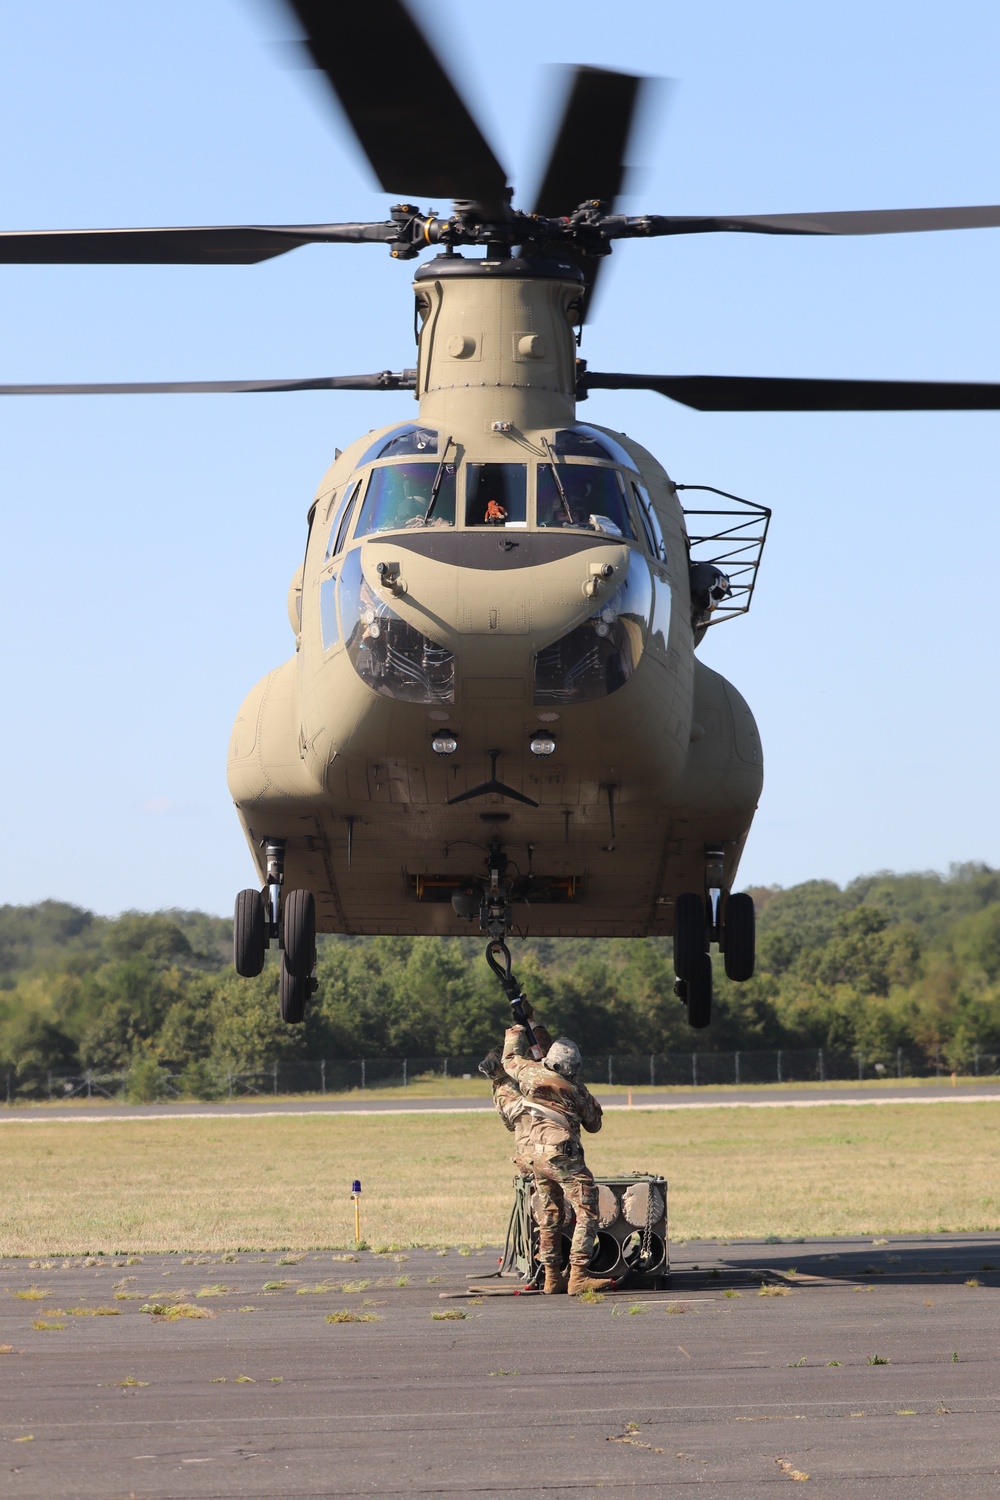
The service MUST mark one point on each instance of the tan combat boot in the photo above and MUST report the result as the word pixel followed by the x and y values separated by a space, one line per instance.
pixel 579 1282
pixel 555 1280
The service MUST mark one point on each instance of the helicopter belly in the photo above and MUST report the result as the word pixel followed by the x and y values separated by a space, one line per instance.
pixel 384 831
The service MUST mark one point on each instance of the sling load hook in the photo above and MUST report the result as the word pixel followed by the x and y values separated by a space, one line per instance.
pixel 499 959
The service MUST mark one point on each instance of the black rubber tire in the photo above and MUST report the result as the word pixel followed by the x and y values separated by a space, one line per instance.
pixel 298 917
pixel 699 995
pixel 690 934
pixel 740 935
pixel 293 993
pixel 249 934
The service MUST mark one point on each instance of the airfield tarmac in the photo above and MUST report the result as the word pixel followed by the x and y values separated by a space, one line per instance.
pixel 524 1395
pixel 757 1096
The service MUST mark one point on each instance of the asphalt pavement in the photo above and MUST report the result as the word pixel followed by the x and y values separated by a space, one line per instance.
pixel 869 1366
pixel 760 1096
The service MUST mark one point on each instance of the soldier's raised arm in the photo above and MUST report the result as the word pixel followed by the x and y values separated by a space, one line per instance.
pixel 591 1113
pixel 515 1048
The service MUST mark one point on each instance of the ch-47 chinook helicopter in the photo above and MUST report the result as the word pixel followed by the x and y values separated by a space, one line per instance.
pixel 494 710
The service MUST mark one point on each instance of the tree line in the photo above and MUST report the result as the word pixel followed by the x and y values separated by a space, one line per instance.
pixel 889 961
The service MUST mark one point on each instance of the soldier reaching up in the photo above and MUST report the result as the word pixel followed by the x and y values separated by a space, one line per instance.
pixel 508 1101
pixel 558 1104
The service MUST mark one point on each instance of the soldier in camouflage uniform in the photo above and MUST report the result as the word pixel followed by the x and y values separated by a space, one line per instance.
pixel 508 1101
pixel 557 1106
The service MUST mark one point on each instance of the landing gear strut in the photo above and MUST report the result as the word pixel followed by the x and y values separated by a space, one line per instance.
pixel 262 918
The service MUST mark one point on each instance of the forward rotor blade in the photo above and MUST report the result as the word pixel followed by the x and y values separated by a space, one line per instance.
pixel 864 221
pixel 765 393
pixel 588 154
pixel 385 380
pixel 405 111
pixel 233 245
pixel 588 157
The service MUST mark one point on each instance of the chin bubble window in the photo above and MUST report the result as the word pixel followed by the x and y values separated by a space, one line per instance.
pixel 496 495
pixel 388 653
pixel 583 495
pixel 600 655
pixel 407 496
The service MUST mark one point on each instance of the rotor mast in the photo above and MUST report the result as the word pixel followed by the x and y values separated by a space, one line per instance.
pixel 502 331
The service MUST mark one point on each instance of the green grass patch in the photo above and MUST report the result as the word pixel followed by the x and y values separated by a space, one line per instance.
pixel 159 1185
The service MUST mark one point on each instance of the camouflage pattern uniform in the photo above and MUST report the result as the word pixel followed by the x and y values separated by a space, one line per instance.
pixel 512 1107
pixel 556 1109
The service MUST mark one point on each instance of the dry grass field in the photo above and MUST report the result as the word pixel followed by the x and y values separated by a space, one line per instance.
pixel 220 1183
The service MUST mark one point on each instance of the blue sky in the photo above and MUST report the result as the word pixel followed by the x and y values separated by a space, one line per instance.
pixel 148 542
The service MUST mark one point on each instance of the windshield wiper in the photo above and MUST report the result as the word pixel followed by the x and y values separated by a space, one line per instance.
pixel 435 487
pixel 559 484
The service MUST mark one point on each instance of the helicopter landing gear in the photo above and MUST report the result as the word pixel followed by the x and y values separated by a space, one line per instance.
pixel 298 928
pixel 274 855
pixel 692 963
pixel 249 934
pixel 298 920
pixel 739 936
pixel 255 920
pixel 690 933
pixel 293 995
pixel 698 993
pixel 263 917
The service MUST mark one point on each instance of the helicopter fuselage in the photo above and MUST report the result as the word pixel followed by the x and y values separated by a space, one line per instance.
pixel 494 644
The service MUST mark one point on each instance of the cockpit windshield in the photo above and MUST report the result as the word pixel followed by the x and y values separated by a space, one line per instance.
pixel 583 495
pixel 582 441
pixel 401 495
pixel 400 443
pixel 496 494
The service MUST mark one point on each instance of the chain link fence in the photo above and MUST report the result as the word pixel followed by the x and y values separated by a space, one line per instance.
pixel 147 1081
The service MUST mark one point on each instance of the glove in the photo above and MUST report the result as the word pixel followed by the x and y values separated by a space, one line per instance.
pixel 490 1064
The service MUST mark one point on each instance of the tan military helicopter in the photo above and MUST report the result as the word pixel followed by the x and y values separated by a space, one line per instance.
pixel 494 710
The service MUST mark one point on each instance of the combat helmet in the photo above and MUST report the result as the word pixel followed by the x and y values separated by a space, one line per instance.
pixel 563 1057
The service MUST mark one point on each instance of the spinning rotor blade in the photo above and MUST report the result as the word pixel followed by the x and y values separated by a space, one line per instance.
pixel 385 380
pixel 233 245
pixel 588 154
pixel 405 111
pixel 863 221
pixel 766 393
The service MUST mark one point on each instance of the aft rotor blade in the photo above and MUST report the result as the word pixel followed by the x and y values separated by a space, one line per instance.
pixel 385 380
pixel 765 393
pixel 588 157
pixel 864 221
pixel 405 111
pixel 233 245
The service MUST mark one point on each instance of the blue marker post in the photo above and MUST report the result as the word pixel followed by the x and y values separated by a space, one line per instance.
pixel 356 1200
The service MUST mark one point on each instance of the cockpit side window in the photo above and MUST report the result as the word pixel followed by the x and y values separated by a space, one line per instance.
pixel 400 495
pixel 650 523
pixel 496 495
pixel 342 521
pixel 583 495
